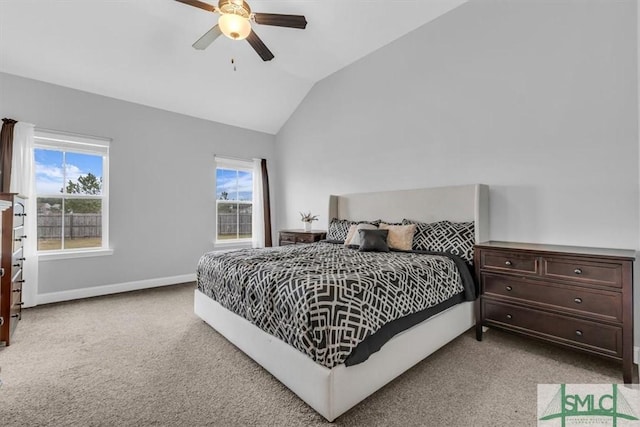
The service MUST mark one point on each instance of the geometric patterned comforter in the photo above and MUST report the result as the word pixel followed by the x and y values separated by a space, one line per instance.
pixel 324 298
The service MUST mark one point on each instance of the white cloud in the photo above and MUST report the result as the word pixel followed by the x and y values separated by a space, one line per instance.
pixel 49 178
pixel 244 184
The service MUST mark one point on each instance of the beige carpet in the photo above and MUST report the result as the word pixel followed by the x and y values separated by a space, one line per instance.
pixel 143 358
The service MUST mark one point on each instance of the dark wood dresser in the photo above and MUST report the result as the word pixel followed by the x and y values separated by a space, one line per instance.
pixel 581 298
pixel 293 237
pixel 11 261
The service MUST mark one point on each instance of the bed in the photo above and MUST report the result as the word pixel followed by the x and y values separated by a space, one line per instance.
pixel 323 375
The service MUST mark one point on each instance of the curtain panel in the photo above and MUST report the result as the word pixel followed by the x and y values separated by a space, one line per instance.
pixel 22 182
pixel 266 204
pixel 261 214
pixel 6 153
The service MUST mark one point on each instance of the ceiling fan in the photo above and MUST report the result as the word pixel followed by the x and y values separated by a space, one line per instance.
pixel 235 22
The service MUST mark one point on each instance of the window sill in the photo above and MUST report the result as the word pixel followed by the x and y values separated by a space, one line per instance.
pixel 231 245
pixel 55 255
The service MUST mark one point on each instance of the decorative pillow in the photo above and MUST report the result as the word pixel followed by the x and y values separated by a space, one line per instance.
pixel 445 236
pixel 400 236
pixel 373 240
pixel 339 228
pixel 353 237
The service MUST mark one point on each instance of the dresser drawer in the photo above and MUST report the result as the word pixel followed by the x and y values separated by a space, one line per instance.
pixel 555 327
pixel 17 261
pixel 581 271
pixel 15 269
pixel 583 301
pixel 18 214
pixel 287 238
pixel 291 237
pixel 15 311
pixel 18 237
pixel 502 261
pixel 305 238
pixel 16 291
pixel 16 297
pixel 17 257
pixel 17 280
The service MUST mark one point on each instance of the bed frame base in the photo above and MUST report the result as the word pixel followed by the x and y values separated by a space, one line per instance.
pixel 332 392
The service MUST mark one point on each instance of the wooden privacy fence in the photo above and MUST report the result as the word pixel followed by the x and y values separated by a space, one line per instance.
pixel 90 225
pixel 75 226
pixel 230 223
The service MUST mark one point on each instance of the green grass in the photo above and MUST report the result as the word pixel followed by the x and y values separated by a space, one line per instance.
pixel 80 243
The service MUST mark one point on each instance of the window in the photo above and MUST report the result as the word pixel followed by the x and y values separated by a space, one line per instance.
pixel 234 200
pixel 71 177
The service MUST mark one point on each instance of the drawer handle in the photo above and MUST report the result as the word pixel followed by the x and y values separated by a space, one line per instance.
pixel 16 265
pixel 577 300
pixel 509 316
pixel 20 281
pixel 509 288
pixel 508 263
pixel 15 316
pixel 578 271
pixel 578 333
pixel 22 259
pixel 17 290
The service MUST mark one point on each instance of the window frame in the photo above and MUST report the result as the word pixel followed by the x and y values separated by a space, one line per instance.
pixel 237 165
pixel 80 144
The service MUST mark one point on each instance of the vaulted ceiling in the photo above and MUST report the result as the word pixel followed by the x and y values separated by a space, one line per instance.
pixel 140 51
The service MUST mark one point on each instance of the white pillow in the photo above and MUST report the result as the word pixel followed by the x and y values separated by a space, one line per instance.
pixel 353 237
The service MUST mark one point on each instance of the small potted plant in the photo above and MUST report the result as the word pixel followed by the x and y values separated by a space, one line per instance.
pixel 307 218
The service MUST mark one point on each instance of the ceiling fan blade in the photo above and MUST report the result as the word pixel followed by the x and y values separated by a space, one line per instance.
pixel 208 38
pixel 259 46
pixel 198 4
pixel 290 21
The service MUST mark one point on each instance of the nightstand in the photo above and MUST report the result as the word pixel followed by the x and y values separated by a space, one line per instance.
pixel 580 298
pixel 292 237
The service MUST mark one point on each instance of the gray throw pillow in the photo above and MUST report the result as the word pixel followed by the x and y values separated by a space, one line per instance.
pixel 373 240
pixel 339 228
pixel 353 237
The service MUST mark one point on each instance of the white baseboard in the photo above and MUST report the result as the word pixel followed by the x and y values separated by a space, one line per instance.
pixel 112 289
pixel 636 354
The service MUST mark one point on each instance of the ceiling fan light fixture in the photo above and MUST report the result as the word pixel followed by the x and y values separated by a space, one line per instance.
pixel 234 26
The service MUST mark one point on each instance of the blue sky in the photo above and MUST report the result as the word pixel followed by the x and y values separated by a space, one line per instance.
pixel 50 169
pixel 239 184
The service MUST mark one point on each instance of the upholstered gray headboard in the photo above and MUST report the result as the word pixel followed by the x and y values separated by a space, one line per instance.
pixel 459 203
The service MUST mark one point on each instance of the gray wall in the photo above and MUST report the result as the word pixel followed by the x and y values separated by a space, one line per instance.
pixel 537 99
pixel 162 198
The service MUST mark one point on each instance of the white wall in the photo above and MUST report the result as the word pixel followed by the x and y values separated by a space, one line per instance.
pixel 636 296
pixel 536 99
pixel 162 199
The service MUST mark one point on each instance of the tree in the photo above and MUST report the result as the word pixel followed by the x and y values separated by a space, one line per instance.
pixel 86 184
pixel 224 196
